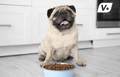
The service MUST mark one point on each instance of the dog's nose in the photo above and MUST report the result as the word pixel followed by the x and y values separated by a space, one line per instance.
pixel 64 12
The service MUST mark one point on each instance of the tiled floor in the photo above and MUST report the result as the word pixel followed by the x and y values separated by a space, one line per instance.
pixel 101 62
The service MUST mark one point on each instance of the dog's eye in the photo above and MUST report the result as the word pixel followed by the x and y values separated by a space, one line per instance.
pixel 57 13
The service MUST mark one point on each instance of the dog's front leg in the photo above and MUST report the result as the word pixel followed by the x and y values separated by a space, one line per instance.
pixel 76 57
pixel 48 56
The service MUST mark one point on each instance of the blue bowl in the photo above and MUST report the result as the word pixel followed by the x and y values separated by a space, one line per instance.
pixel 58 73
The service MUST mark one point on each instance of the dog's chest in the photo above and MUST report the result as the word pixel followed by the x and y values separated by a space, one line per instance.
pixel 62 41
pixel 61 53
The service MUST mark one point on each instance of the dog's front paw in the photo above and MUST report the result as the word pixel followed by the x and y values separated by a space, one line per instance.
pixel 43 64
pixel 80 63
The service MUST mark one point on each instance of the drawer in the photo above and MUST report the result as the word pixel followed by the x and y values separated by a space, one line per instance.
pixel 111 33
pixel 14 25
pixel 15 2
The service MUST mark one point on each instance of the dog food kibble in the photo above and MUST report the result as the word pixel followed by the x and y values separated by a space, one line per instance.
pixel 59 66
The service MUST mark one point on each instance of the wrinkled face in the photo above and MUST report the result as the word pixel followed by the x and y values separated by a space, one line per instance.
pixel 63 18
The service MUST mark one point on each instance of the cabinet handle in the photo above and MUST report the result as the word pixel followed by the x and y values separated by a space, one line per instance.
pixel 113 33
pixel 79 24
pixel 5 25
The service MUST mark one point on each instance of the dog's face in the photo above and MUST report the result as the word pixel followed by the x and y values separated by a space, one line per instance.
pixel 62 17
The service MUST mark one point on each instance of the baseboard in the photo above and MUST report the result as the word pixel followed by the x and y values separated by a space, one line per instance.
pixel 26 49
pixel 106 43
pixel 85 44
pixel 19 49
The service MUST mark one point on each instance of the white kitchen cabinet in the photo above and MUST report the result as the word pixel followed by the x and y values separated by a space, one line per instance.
pixel 110 33
pixel 15 2
pixel 39 24
pixel 77 3
pixel 85 28
pixel 89 4
pixel 15 25
pixel 44 5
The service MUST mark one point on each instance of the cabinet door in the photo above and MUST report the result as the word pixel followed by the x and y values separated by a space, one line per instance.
pixel 44 5
pixel 39 25
pixel 77 3
pixel 85 27
pixel 15 2
pixel 15 25
pixel 89 4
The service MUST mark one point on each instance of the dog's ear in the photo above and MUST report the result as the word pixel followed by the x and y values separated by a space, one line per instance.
pixel 49 12
pixel 72 7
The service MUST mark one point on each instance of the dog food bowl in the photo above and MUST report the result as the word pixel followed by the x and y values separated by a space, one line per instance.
pixel 58 70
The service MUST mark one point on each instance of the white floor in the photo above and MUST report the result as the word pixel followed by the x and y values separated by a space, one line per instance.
pixel 101 62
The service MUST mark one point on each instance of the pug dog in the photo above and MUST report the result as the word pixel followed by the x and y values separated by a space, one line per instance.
pixel 61 39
